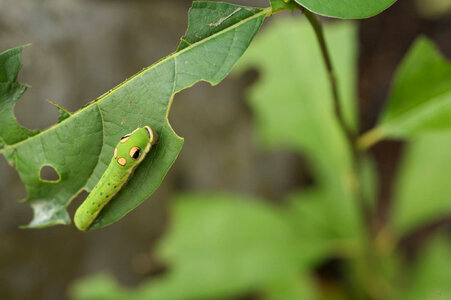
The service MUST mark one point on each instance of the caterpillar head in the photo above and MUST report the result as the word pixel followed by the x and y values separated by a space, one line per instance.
pixel 133 147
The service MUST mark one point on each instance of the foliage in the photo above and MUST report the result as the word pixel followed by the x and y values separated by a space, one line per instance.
pixel 81 146
pixel 431 273
pixel 224 245
pixel 420 98
pixel 423 189
pixel 219 245
pixel 320 222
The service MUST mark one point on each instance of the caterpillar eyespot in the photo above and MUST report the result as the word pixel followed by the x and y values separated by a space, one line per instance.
pixel 135 152
pixel 128 154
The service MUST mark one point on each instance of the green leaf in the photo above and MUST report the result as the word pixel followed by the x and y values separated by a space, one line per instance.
pixel 218 246
pixel 296 111
pixel 10 64
pixel 431 276
pixel 422 191
pixel 346 9
pixel 420 100
pixel 209 18
pixel 10 91
pixel 81 146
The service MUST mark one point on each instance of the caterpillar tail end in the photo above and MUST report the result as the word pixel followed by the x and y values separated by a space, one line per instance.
pixel 80 223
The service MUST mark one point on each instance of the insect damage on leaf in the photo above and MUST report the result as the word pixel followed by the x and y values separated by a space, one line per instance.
pixel 64 113
pixel 224 18
pixel 10 91
pixel 81 144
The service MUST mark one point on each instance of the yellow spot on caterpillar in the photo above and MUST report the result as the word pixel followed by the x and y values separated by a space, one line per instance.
pixel 124 139
pixel 122 161
pixel 115 152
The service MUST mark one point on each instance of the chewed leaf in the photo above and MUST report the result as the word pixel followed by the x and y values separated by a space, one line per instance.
pixel 81 146
pixel 205 20
pixel 10 64
pixel 64 113
pixel 10 91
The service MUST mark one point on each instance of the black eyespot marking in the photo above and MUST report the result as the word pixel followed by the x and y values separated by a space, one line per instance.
pixel 136 155
pixel 135 152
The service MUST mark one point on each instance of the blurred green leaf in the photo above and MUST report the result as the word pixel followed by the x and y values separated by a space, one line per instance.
pixel 293 108
pixel 101 286
pixel 423 189
pixel 431 276
pixel 318 227
pixel 420 100
pixel 347 9
pixel 81 146
pixel 421 95
pixel 292 288
pixel 219 246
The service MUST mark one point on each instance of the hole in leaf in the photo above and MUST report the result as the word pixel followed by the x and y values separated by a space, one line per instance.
pixel 76 201
pixel 49 173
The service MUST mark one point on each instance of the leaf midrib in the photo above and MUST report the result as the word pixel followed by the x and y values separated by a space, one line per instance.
pixel 265 11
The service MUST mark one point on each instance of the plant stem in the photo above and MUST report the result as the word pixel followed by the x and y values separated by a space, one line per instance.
pixel 357 149
pixel 351 136
pixel 317 27
pixel 369 138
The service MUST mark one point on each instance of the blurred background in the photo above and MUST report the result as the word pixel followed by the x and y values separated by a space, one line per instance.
pixel 81 49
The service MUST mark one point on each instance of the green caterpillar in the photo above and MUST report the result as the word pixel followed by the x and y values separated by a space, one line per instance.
pixel 128 154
